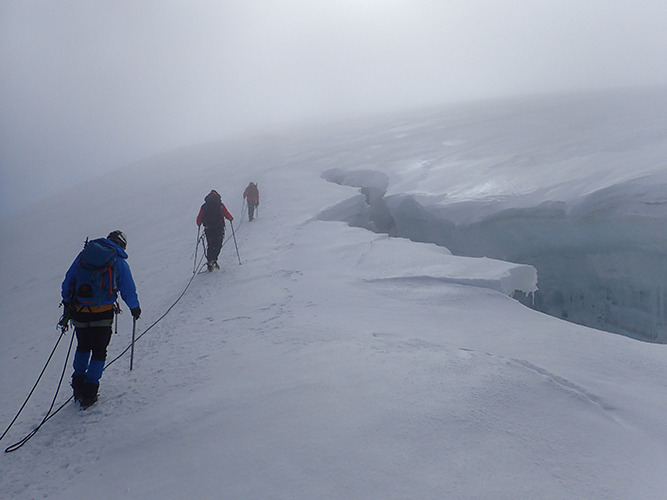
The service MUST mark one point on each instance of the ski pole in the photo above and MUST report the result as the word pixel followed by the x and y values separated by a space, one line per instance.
pixel 134 331
pixel 237 247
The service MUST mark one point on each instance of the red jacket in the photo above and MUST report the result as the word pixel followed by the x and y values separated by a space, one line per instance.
pixel 251 192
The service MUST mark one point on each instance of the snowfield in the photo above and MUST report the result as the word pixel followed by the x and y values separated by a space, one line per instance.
pixel 332 358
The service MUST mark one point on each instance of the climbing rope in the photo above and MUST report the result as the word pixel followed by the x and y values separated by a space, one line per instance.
pixel 49 412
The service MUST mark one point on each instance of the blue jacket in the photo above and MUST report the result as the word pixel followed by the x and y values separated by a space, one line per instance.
pixel 126 286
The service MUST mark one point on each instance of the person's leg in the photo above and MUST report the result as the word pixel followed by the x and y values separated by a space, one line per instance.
pixel 93 332
pixel 101 336
pixel 215 241
pixel 207 232
pixel 100 340
pixel 81 360
pixel 214 238
pixel 83 349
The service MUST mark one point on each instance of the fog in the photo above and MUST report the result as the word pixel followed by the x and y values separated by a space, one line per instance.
pixel 92 86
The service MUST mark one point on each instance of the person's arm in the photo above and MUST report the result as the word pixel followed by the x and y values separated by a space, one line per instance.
pixel 226 214
pixel 126 286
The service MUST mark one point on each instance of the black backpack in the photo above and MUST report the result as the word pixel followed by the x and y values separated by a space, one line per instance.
pixel 212 210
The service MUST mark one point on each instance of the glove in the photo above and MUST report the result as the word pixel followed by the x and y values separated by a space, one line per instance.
pixel 136 312
pixel 64 319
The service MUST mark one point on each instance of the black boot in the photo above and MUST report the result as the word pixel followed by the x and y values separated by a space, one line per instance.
pixel 77 385
pixel 88 394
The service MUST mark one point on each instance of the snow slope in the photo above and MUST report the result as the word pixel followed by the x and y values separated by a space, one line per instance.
pixel 336 362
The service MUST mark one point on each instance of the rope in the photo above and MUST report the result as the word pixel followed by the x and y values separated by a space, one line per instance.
pixel 34 386
pixel 49 412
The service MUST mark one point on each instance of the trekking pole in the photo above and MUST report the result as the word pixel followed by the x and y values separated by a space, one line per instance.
pixel 237 247
pixel 134 331
pixel 116 311
pixel 243 206
pixel 204 247
pixel 257 203
pixel 194 268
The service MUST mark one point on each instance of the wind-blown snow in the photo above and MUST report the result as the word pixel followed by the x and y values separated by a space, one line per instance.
pixel 336 362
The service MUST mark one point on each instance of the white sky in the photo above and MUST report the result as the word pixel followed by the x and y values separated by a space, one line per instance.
pixel 89 86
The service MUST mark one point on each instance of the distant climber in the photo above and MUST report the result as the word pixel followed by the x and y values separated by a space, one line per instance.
pixel 89 295
pixel 213 214
pixel 251 194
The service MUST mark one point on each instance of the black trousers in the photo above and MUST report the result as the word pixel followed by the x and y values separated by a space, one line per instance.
pixel 251 209
pixel 94 339
pixel 214 237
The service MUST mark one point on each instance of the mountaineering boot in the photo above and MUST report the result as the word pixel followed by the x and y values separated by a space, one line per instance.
pixel 215 264
pixel 209 266
pixel 88 390
pixel 80 364
pixel 77 384
pixel 88 394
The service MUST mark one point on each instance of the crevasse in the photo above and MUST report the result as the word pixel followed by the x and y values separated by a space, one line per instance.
pixel 601 262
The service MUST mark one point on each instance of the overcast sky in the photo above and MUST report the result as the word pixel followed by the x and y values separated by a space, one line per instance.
pixel 91 85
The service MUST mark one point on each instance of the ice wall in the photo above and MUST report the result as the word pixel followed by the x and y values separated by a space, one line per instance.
pixel 601 262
